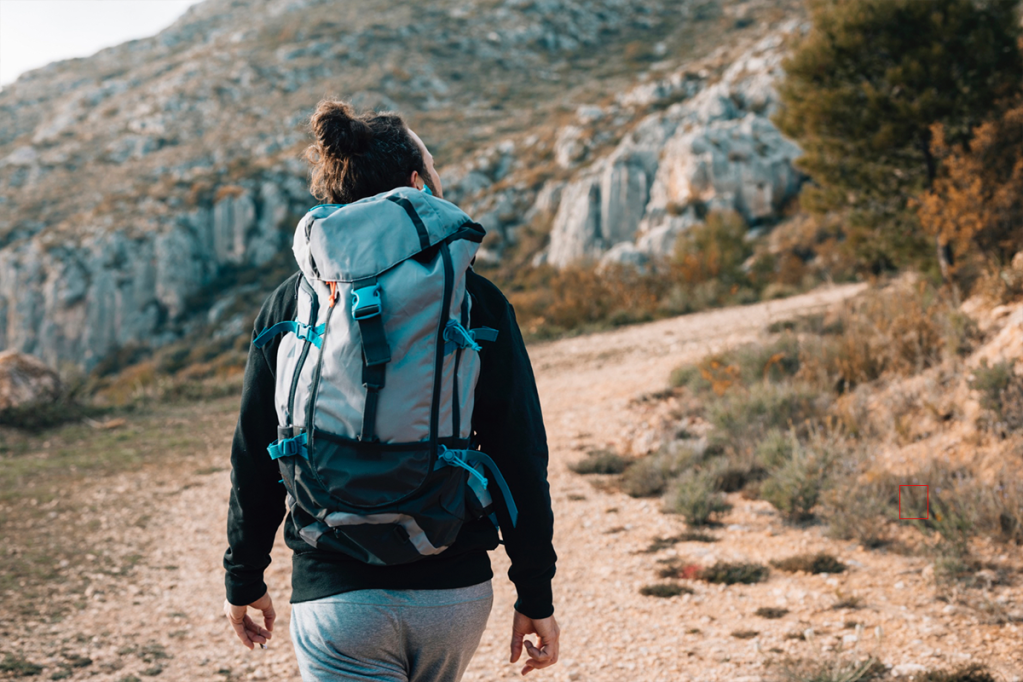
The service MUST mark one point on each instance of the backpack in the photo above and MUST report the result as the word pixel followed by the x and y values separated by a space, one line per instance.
pixel 375 380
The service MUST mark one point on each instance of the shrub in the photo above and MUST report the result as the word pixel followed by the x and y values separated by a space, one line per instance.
pixel 775 449
pixel 795 487
pixel 771 612
pixel 744 634
pixel 901 330
pixel 822 562
pixel 17 666
pixel 742 418
pixel 600 462
pixel 696 499
pixel 649 476
pixel 714 251
pixel 862 511
pixel 729 573
pixel 665 590
pixel 1001 391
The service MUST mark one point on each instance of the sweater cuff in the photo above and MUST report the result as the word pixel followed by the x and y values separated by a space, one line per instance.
pixel 243 595
pixel 536 600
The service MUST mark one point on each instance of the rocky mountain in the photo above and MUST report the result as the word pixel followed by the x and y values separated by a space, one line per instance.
pixel 148 192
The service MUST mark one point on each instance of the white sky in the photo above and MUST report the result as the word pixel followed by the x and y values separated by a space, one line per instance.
pixel 34 33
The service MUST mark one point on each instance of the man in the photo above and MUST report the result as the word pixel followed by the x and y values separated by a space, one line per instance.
pixel 419 621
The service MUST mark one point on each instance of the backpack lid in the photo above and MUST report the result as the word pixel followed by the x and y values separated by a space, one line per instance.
pixel 363 239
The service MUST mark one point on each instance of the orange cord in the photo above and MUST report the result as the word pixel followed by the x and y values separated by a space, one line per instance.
pixel 333 293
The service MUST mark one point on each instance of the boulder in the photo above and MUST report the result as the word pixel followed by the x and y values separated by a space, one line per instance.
pixel 26 381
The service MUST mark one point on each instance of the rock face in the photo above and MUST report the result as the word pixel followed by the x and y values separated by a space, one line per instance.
pixel 80 300
pixel 716 150
pixel 26 381
pixel 133 179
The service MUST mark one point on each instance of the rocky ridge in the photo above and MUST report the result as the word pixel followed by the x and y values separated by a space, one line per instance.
pixel 183 149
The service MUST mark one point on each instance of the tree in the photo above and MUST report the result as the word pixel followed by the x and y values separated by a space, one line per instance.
pixel 864 89
pixel 975 207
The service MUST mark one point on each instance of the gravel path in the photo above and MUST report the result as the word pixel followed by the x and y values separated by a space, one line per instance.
pixel 165 618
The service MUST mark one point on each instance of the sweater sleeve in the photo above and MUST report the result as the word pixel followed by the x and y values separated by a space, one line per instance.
pixel 256 506
pixel 509 427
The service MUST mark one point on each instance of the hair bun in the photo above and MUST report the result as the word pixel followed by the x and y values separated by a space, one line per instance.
pixel 339 131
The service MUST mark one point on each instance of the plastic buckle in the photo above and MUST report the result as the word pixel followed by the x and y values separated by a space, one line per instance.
pixel 366 302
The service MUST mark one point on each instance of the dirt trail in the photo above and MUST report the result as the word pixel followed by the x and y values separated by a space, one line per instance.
pixel 611 633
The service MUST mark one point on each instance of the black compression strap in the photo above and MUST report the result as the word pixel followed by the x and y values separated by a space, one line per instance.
pixel 376 353
pixel 373 380
pixel 424 236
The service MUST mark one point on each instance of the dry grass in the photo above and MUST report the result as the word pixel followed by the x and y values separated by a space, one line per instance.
pixel 822 562
pixel 729 573
pixel 771 612
pixel 665 590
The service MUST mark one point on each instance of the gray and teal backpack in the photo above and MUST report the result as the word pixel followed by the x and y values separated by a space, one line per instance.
pixel 376 378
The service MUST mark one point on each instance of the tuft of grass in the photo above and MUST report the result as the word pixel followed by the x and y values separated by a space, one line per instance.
pixel 695 497
pixel 601 462
pixel 822 562
pixel 744 634
pixel 731 573
pixel 18 666
pixel 850 601
pixel 696 536
pixel 837 670
pixel 969 673
pixel 771 612
pixel 665 590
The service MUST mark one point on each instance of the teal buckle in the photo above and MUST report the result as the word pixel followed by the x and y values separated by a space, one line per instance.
pixel 289 447
pixel 366 302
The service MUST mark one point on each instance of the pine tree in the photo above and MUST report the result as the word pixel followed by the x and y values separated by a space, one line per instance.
pixel 864 89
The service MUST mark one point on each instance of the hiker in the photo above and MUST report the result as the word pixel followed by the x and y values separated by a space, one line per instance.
pixel 390 417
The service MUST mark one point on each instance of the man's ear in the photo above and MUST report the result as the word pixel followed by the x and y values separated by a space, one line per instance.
pixel 415 180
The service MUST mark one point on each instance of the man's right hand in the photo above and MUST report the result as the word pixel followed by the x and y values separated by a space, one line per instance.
pixel 248 632
pixel 548 632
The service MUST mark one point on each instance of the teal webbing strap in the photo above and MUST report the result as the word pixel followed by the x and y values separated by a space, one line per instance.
pixel 457 336
pixel 299 329
pixel 495 473
pixel 289 447
pixel 463 459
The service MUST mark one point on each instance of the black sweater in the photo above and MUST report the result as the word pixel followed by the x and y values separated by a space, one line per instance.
pixel 508 426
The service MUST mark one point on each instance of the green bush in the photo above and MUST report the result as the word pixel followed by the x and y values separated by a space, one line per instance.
pixel 695 497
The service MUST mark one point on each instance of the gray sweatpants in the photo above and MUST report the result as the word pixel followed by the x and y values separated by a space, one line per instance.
pixel 392 635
